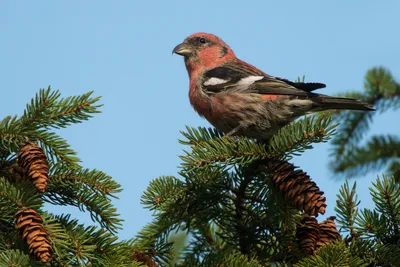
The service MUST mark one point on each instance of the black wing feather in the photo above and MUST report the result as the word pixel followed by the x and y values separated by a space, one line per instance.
pixel 228 73
pixel 272 86
pixel 233 73
pixel 303 86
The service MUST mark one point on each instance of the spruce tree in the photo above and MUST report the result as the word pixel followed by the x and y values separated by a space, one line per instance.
pixel 39 167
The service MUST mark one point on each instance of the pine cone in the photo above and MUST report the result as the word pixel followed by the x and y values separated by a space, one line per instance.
pixel 308 234
pixel 144 258
pixel 32 159
pixel 329 232
pixel 297 188
pixel 30 226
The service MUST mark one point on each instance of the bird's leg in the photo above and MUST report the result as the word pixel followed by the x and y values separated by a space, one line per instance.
pixel 234 131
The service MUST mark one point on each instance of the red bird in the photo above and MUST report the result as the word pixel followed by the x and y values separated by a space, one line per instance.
pixel 239 99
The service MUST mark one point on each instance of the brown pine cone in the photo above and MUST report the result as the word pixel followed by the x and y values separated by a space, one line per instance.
pixel 329 232
pixel 30 227
pixel 308 234
pixel 297 188
pixel 33 160
pixel 144 258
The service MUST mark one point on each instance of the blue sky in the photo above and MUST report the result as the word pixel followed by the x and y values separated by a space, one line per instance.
pixel 122 51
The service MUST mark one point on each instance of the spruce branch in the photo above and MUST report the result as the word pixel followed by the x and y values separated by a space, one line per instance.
pixel 334 254
pixel 12 134
pixel 212 194
pixel 89 180
pixel 364 248
pixel 14 258
pixel 205 247
pixel 375 154
pixel 372 224
pixel 382 222
pixel 46 110
pixel 120 255
pixel 154 238
pixel 15 197
pixel 200 135
pixel 40 108
pixel 74 109
pixel 382 92
pixel 57 234
pixel 69 184
pixel 221 193
pixel 99 206
pixel 161 190
pixel 92 245
pixel 351 130
pixel 394 170
pixel 226 150
pixel 203 195
pixel 238 205
pixel 379 82
pixel 387 255
pixel 82 248
pixel 346 208
pixel 245 236
pixel 299 136
pixel 8 235
pixel 55 147
pixel 209 147
pixel 385 194
pixel 238 260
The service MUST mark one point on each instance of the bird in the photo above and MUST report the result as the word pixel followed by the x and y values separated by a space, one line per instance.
pixel 239 99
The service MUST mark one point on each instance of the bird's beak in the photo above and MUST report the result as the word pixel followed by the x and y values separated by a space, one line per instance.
pixel 183 49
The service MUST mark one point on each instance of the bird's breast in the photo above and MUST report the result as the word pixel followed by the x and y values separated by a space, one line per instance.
pixel 199 100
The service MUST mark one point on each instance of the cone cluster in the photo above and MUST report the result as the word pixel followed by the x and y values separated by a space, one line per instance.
pixel 308 234
pixel 298 189
pixel 30 227
pixel 144 258
pixel 312 235
pixel 329 232
pixel 32 159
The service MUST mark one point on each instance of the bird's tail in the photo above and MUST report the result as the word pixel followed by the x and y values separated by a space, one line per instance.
pixel 323 102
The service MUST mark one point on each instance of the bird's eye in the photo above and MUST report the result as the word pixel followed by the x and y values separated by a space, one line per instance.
pixel 203 40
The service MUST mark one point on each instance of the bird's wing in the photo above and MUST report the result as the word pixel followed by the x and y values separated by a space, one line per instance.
pixel 303 86
pixel 246 79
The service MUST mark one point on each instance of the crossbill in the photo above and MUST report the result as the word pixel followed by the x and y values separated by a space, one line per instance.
pixel 239 99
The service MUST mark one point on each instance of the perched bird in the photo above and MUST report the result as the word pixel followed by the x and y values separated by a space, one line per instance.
pixel 239 99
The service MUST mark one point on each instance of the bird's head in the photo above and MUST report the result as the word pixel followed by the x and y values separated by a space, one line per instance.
pixel 203 51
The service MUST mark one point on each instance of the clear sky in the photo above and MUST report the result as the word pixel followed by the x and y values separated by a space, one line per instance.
pixel 122 51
